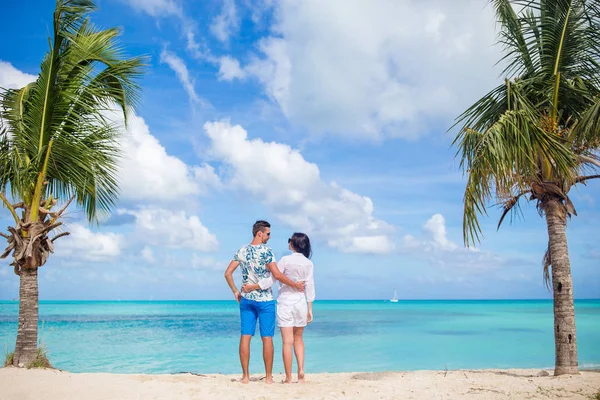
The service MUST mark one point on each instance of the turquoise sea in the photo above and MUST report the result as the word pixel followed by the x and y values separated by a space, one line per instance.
pixel 202 336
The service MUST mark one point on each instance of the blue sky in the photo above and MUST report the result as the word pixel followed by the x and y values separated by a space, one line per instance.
pixel 324 117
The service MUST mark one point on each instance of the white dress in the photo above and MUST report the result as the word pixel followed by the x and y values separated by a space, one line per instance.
pixel 292 309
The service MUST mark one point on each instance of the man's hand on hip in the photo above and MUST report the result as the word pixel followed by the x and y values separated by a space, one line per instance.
pixel 249 287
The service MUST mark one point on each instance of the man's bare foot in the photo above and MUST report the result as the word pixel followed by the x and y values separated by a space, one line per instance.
pixel 301 377
pixel 245 379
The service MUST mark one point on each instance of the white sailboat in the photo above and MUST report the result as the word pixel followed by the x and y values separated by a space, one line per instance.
pixel 395 298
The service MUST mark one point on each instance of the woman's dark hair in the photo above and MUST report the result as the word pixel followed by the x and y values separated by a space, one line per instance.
pixel 301 243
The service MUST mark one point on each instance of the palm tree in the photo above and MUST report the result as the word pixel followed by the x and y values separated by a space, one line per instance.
pixel 58 144
pixel 537 134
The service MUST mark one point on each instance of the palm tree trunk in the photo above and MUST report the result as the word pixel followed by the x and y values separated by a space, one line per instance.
pixel 26 348
pixel 565 339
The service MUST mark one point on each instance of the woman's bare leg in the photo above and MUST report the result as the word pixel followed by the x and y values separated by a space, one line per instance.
pixel 299 351
pixel 287 337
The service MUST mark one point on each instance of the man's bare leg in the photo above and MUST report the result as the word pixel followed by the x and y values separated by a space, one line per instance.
pixel 268 353
pixel 245 356
pixel 287 337
pixel 299 351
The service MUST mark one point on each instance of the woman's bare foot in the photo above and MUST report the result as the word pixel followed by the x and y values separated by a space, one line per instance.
pixel 288 379
pixel 245 379
pixel 301 377
pixel 269 380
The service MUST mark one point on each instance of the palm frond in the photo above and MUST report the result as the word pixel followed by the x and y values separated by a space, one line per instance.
pixel 85 165
pixel 60 141
pixel 546 269
pixel 584 179
pixel 520 59
pixel 585 132
pixel 540 128
pixel 510 205
pixel 506 158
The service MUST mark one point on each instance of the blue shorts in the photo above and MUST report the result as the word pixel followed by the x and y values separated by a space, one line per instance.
pixel 264 311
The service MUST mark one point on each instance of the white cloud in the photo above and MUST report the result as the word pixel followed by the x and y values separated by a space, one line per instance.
pixel 434 238
pixel 157 8
pixel 149 173
pixel 177 65
pixel 83 244
pixel 206 178
pixel 292 188
pixel 436 226
pixel 12 78
pixel 226 23
pixel 379 244
pixel 384 68
pixel 275 72
pixel 173 229
pixel 435 246
pixel 229 69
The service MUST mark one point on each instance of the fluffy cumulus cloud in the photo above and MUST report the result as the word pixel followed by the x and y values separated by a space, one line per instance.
pixel 434 244
pixel 383 68
pixel 83 244
pixel 148 172
pixel 173 229
pixel 434 238
pixel 292 188
pixel 12 78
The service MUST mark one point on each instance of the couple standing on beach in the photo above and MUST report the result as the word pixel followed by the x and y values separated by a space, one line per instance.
pixel 294 301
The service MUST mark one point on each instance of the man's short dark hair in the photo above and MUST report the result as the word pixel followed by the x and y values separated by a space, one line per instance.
pixel 260 226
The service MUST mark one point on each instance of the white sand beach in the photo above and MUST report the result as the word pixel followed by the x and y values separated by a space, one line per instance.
pixel 463 384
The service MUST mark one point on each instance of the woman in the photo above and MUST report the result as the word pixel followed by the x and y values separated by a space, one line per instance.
pixel 294 308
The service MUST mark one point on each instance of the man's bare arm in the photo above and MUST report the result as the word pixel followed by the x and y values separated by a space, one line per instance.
pixel 277 274
pixel 229 278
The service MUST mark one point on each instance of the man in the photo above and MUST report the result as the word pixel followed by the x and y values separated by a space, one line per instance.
pixel 257 262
